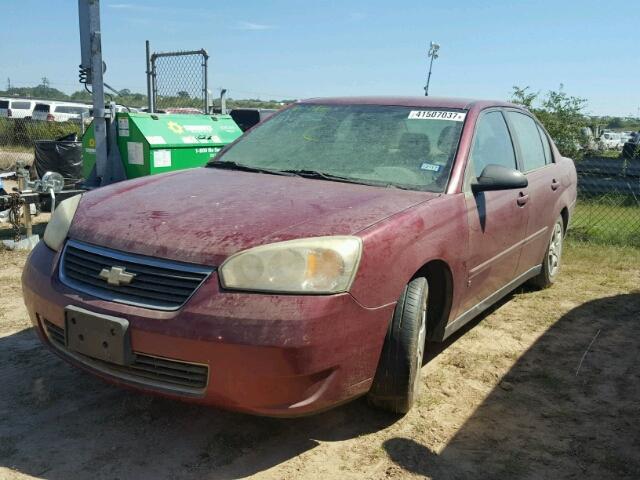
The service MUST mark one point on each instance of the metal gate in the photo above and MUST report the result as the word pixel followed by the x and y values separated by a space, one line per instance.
pixel 178 80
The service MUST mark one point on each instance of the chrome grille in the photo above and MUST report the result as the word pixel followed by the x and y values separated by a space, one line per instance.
pixel 158 283
pixel 149 370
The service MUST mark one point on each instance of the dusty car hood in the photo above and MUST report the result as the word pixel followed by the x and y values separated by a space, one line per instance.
pixel 204 215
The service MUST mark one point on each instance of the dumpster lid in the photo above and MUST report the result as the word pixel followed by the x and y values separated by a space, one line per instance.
pixel 179 130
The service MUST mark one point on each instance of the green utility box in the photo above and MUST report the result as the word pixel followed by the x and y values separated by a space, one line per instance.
pixel 156 143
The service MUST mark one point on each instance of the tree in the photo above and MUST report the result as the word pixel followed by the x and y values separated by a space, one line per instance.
pixel 562 116
pixel 183 94
pixel 616 122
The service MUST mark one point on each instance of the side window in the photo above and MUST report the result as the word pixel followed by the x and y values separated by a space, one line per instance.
pixel 548 156
pixel 526 132
pixel 492 143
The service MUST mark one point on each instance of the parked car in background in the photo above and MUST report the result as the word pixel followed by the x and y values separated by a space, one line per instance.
pixel 625 136
pixel 16 108
pixel 4 108
pixel 183 111
pixel 611 141
pixel 315 256
pixel 60 112
pixel 246 118
pixel 631 149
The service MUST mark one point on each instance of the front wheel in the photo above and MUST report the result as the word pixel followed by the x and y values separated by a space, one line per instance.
pixel 397 379
pixel 552 258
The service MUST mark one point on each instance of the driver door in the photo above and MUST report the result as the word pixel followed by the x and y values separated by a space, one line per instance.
pixel 497 219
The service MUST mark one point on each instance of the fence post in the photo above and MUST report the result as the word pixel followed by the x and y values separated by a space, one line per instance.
pixel 206 81
pixel 149 79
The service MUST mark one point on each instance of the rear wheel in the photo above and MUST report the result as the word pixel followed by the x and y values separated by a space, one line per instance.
pixel 552 258
pixel 397 379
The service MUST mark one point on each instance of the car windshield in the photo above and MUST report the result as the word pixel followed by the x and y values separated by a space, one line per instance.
pixel 404 147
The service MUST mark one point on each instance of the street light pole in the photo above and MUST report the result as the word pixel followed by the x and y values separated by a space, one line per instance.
pixel 433 53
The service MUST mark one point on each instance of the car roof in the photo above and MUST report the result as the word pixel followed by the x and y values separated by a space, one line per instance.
pixel 422 102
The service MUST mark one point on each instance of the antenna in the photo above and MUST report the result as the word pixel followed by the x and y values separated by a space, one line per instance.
pixel 433 54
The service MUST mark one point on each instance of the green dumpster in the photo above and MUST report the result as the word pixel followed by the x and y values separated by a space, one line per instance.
pixel 157 143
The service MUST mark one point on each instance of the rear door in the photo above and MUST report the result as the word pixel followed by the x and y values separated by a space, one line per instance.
pixel 21 108
pixel 4 108
pixel 536 161
pixel 40 111
pixel 497 220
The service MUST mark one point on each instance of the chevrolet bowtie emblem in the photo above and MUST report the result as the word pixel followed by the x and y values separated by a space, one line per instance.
pixel 117 276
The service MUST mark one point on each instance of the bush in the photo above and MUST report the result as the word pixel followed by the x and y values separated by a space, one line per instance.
pixel 21 132
pixel 562 116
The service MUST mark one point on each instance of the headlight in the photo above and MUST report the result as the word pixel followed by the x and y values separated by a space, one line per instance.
pixel 58 227
pixel 309 265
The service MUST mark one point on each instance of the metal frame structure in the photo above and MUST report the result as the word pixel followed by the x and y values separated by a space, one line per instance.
pixel 433 54
pixel 152 85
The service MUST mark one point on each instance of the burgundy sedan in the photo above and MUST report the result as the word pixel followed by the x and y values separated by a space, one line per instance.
pixel 310 262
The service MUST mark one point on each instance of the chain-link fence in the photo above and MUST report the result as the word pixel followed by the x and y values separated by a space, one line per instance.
pixel 608 209
pixel 179 80
pixel 18 137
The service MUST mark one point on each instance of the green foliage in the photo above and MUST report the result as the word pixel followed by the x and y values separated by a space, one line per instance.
pixel 608 221
pixel 137 100
pixel 617 123
pixel 562 116
pixel 23 132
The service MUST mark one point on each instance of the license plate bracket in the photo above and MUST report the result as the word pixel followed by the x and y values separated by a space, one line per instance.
pixel 98 336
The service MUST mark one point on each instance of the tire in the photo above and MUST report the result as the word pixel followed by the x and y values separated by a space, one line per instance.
pixel 552 258
pixel 397 379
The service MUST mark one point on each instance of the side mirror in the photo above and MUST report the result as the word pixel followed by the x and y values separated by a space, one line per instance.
pixel 497 177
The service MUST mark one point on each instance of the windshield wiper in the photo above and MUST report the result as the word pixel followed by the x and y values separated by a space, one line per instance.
pixel 329 176
pixel 246 168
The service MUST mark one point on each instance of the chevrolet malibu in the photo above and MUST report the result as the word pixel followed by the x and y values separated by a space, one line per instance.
pixel 312 260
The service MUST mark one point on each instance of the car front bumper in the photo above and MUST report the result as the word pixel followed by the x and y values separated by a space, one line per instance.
pixel 277 355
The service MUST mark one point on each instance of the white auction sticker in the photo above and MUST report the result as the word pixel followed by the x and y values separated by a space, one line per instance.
pixel 437 115
pixel 162 158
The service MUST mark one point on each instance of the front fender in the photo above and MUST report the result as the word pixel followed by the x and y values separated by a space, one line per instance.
pixel 398 247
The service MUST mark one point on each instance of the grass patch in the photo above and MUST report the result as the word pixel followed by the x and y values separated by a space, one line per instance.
pixel 606 223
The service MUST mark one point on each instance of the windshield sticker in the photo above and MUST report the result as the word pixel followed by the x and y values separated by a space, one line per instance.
pixel 436 115
pixel 430 167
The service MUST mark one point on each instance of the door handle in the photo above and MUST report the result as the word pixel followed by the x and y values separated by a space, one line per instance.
pixel 554 184
pixel 522 199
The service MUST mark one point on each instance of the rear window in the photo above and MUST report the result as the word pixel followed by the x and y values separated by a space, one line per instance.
pixel 526 132
pixel 71 109
pixel 4 104
pixel 21 105
pixel 41 107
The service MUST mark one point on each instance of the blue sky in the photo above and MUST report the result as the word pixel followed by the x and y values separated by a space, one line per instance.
pixel 294 49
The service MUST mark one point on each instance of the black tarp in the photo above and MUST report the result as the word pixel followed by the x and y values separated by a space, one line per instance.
pixel 63 156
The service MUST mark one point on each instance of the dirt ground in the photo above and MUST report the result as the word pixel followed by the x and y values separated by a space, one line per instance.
pixel 546 385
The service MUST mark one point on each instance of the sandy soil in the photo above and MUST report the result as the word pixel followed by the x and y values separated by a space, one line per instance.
pixel 546 385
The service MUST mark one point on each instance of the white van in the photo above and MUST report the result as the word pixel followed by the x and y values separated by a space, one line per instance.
pixel 16 108
pixel 60 112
